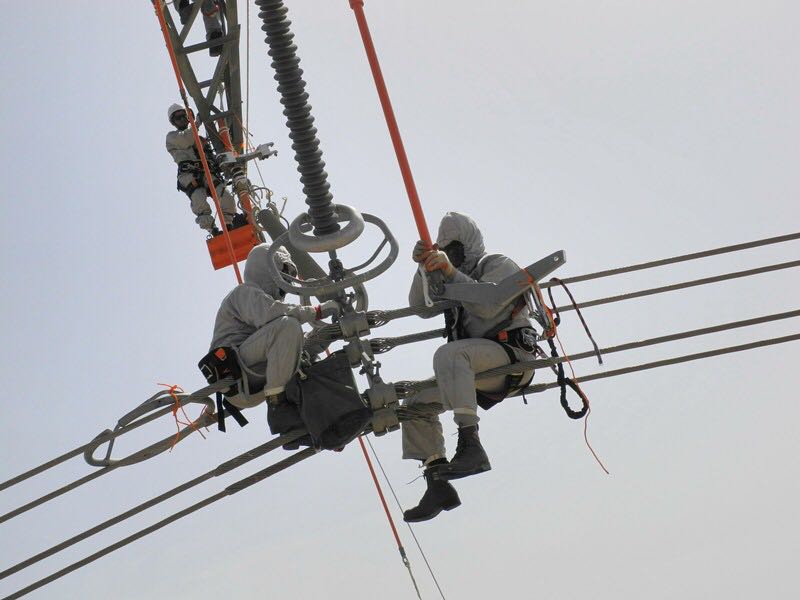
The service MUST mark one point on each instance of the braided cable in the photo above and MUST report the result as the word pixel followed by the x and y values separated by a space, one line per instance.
pixel 540 387
pixel 405 388
pixel 683 285
pixel 221 469
pixel 228 491
pixel 677 259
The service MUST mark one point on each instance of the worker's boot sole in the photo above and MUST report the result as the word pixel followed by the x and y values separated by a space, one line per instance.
pixel 451 471
pixel 430 515
pixel 439 495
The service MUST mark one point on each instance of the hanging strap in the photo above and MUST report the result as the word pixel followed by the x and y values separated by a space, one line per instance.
pixel 565 382
pixel 557 315
pixel 222 406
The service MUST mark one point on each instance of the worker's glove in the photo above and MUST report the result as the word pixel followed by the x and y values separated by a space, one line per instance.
pixel 327 309
pixel 437 260
pixel 420 252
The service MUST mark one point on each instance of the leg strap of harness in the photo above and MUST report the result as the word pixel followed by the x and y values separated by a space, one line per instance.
pixel 513 383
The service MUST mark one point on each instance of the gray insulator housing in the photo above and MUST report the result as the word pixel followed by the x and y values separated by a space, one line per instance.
pixel 297 110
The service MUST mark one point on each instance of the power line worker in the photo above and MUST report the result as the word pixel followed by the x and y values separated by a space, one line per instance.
pixel 213 19
pixel 480 337
pixel 191 176
pixel 266 332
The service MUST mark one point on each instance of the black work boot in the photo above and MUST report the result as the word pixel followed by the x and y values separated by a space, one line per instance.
pixel 439 496
pixel 239 220
pixel 211 36
pixel 282 417
pixel 470 457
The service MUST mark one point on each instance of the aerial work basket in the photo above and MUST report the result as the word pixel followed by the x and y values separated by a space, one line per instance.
pixel 243 239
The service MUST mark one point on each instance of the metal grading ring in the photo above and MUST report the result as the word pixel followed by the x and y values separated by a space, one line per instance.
pixel 332 241
pixel 325 287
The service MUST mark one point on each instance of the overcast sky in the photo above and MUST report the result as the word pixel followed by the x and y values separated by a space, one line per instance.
pixel 619 131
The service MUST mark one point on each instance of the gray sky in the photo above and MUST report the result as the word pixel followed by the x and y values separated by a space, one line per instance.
pixel 619 131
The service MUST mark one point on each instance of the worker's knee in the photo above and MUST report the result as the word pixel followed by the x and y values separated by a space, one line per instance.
pixel 289 329
pixel 448 356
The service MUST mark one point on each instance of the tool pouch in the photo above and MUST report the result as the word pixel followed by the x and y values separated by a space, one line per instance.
pixel 330 405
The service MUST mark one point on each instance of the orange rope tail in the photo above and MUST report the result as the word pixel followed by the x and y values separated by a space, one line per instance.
pixel 157 5
pixel 589 407
pixel 177 406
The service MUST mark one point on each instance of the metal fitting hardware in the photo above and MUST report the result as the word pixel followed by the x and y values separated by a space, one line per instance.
pixel 383 401
pixel 354 324
pixel 356 350
pixel 329 241
pixel 262 152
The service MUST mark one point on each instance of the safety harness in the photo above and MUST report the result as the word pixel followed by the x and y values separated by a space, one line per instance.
pixel 221 363
pixel 195 169
pixel 523 338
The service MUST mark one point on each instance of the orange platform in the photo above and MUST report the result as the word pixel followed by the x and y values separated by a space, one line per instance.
pixel 243 240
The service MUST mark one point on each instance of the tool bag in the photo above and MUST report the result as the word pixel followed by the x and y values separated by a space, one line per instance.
pixel 219 364
pixel 331 407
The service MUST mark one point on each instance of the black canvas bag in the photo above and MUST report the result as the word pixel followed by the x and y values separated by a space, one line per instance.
pixel 330 405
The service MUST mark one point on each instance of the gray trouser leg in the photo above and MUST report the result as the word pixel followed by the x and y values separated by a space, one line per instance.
pixel 198 203
pixel 422 437
pixel 227 203
pixel 455 365
pixel 274 351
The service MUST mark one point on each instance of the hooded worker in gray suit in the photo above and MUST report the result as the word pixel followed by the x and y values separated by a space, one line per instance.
pixel 481 337
pixel 266 332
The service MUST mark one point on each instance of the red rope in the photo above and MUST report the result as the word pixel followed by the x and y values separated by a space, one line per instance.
pixel 380 494
pixel 588 407
pixel 157 5
pixel 391 122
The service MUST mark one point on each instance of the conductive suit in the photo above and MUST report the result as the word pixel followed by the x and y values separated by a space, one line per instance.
pixel 266 332
pixel 192 179
pixel 456 363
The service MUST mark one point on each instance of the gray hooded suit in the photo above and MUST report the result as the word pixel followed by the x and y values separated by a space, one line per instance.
pixel 456 363
pixel 266 332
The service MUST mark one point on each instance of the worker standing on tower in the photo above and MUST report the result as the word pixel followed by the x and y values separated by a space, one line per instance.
pixel 191 178
pixel 480 337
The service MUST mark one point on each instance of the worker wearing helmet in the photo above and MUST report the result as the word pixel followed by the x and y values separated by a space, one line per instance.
pixel 191 176
pixel 480 337
pixel 265 331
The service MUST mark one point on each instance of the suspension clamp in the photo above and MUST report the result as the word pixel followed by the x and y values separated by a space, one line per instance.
pixel 383 401
pixel 356 350
pixel 354 324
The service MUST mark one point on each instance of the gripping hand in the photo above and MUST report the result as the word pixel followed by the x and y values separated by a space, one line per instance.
pixel 420 252
pixel 437 260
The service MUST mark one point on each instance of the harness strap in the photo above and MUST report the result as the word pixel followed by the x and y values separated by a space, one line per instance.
pixel 513 383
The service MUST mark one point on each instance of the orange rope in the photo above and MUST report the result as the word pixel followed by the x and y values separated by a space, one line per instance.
pixel 588 406
pixel 157 5
pixel 173 391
